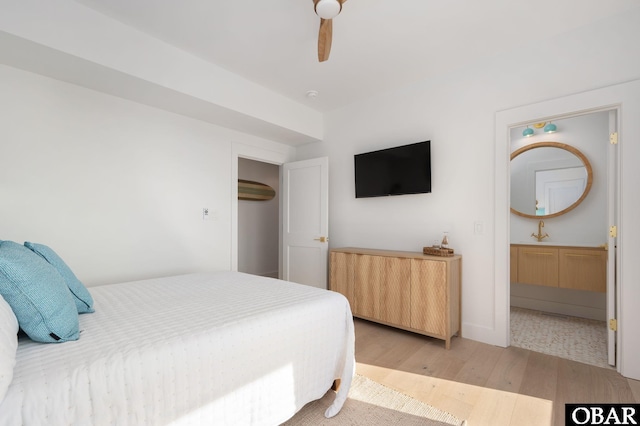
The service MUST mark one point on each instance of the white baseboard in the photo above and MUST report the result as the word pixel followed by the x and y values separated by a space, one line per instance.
pixel 488 335
pixel 270 274
pixel 559 308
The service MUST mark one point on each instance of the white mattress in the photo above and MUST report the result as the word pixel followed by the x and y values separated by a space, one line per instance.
pixel 215 349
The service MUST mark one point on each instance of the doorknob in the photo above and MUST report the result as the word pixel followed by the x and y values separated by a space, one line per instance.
pixel 321 239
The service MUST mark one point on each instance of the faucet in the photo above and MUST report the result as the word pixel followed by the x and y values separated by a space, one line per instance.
pixel 540 237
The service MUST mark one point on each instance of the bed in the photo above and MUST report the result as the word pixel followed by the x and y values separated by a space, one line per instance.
pixel 220 348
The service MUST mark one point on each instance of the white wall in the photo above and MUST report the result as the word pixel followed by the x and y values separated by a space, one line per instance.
pixel 116 187
pixel 258 221
pixel 457 113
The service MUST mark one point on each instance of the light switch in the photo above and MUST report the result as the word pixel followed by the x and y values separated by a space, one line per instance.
pixel 478 228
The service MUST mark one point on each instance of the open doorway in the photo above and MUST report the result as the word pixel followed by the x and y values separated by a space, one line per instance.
pixel 624 98
pixel 302 259
pixel 258 219
pixel 553 311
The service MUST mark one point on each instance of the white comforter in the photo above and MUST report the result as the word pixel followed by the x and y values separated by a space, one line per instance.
pixel 213 349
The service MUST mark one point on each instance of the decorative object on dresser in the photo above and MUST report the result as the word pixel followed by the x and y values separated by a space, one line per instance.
pixel 438 251
pixel 407 290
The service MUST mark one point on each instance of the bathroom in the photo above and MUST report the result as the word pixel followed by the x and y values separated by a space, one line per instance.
pixel 577 229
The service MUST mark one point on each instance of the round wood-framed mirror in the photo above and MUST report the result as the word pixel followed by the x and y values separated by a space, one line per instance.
pixel 548 179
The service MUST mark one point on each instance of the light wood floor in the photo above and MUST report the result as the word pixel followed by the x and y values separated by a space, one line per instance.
pixel 485 384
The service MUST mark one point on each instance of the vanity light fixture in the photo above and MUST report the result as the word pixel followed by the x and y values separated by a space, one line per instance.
pixel 528 132
pixel 546 127
pixel 550 128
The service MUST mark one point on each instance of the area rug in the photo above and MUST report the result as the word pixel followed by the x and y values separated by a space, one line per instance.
pixel 370 403
pixel 577 339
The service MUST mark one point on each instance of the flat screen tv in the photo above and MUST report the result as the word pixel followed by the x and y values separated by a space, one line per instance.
pixel 394 171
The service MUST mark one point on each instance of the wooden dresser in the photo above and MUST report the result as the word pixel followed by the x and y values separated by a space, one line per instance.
pixel 407 290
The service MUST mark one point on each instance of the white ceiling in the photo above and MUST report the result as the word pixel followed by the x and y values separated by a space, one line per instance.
pixel 378 45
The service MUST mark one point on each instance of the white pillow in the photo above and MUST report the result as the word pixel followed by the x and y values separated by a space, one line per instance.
pixel 8 345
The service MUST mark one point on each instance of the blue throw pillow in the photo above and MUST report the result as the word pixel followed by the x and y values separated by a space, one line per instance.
pixel 38 295
pixel 83 299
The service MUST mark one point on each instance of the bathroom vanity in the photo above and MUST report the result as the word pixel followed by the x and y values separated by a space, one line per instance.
pixel 570 267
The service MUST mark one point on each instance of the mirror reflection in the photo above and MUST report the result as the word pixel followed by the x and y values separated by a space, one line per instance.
pixel 548 179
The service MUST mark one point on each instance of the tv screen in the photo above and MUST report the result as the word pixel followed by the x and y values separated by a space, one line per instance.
pixel 394 171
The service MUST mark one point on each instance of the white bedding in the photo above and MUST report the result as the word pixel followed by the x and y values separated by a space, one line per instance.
pixel 219 348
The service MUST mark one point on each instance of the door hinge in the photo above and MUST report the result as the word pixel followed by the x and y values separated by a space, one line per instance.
pixel 613 138
pixel 613 231
pixel 613 324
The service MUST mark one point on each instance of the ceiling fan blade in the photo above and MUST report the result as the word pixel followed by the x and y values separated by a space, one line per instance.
pixel 324 39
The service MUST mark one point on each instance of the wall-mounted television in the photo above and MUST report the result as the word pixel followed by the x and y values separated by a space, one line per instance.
pixel 394 171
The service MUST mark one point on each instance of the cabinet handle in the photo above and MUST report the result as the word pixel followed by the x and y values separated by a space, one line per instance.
pixel 581 255
pixel 539 253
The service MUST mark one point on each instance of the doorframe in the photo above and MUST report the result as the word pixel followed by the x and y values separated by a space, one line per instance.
pixel 624 98
pixel 251 152
pixel 613 193
pixel 611 219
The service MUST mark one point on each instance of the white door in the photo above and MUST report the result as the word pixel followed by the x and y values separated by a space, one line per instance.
pixel 560 195
pixel 305 220
pixel 612 187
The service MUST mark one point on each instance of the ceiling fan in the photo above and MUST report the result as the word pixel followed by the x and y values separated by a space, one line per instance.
pixel 326 10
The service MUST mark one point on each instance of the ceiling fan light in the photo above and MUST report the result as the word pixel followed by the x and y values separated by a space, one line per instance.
pixel 528 132
pixel 550 128
pixel 328 9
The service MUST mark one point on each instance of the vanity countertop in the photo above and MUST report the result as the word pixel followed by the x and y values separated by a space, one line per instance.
pixel 558 244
